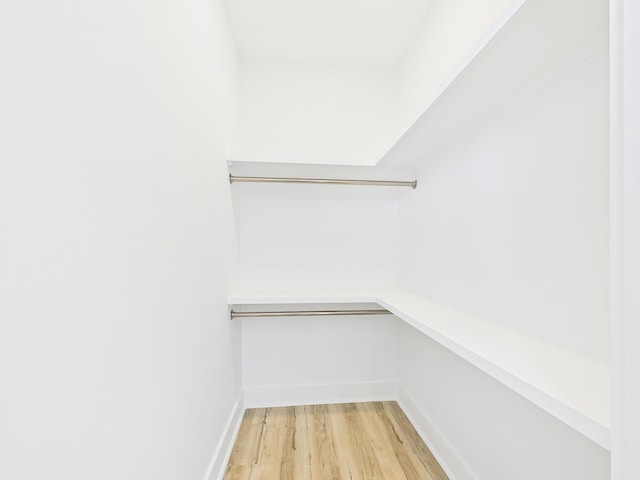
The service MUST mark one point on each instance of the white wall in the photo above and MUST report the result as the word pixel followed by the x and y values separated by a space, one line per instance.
pixel 296 112
pixel 310 360
pixel 450 30
pixel 315 236
pixel 482 429
pixel 339 114
pixel 625 172
pixel 116 239
pixel 511 223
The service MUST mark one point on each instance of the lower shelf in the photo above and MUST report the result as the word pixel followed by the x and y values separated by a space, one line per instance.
pixel 572 387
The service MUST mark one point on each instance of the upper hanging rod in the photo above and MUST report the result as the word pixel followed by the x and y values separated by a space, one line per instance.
pixel 330 181
pixel 307 313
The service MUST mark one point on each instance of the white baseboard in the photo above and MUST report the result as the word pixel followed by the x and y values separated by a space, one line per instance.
pixel 225 445
pixel 280 396
pixel 446 455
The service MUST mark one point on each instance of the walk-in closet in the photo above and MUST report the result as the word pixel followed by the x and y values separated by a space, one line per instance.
pixel 303 239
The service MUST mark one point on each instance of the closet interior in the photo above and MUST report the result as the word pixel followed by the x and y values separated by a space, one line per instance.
pixel 214 206
pixel 494 268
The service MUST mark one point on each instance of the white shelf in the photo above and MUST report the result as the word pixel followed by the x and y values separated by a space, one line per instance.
pixel 572 387
pixel 533 43
pixel 301 296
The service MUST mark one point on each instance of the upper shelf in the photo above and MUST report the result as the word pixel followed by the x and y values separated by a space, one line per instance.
pixel 275 169
pixel 300 296
pixel 533 43
pixel 570 386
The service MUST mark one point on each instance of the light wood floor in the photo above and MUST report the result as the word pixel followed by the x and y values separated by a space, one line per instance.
pixel 354 441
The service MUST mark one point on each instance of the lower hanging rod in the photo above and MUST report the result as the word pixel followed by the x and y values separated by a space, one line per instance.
pixel 326 181
pixel 308 313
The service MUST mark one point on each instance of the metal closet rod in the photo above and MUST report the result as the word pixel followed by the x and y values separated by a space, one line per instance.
pixel 308 313
pixel 326 181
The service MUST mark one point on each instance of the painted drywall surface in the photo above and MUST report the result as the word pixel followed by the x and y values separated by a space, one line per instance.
pixel 511 223
pixel 495 432
pixel 116 239
pixel 308 351
pixel 315 113
pixel 625 152
pixel 449 31
pixel 631 241
pixel 302 236
pixel 344 32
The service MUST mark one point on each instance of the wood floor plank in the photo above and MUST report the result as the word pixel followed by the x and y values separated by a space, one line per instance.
pixel 279 417
pixel 247 451
pixel 375 429
pixel 324 461
pixel 357 457
pixel 410 465
pixel 353 441
pixel 238 472
pixel 255 415
pixel 302 446
pixel 415 442
pixel 346 455
pixel 272 448
pixel 296 453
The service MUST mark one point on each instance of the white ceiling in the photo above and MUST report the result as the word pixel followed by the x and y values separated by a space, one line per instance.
pixel 353 32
